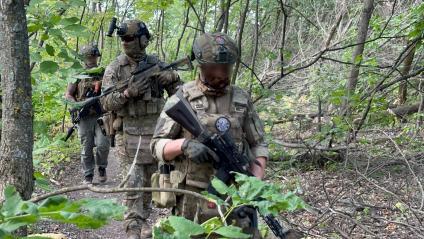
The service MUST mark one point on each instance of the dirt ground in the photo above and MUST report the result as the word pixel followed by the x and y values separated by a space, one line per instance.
pixel 70 174
pixel 374 191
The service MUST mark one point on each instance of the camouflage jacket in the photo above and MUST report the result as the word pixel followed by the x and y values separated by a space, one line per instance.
pixel 145 108
pixel 246 128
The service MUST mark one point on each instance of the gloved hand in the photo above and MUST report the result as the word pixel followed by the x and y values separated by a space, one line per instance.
pixel 245 211
pixel 137 87
pixel 198 152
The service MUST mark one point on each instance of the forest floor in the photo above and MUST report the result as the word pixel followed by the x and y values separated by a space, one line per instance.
pixel 374 191
pixel 70 174
pixel 363 195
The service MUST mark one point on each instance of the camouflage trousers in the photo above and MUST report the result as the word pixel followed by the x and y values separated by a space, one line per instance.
pixel 91 136
pixel 197 210
pixel 139 204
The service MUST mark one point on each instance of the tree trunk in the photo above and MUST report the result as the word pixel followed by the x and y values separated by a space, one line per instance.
pixel 220 22
pixel 255 44
pixel 227 16
pixel 357 52
pixel 186 19
pixel 17 138
pixel 407 63
pixel 239 38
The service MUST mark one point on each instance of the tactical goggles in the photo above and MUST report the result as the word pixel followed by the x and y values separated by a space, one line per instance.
pixel 129 38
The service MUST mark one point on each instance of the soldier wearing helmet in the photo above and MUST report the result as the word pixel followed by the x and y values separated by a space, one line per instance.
pixel 88 84
pixel 137 110
pixel 211 97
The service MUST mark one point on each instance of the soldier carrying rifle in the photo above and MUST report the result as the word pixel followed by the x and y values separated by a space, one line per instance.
pixel 88 85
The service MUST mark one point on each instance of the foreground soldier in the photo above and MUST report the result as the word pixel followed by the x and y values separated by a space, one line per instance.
pixel 137 110
pixel 211 97
pixel 89 131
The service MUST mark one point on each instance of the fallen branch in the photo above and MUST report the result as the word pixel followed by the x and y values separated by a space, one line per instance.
pixel 115 190
pixel 404 110
pixel 295 117
pixel 303 146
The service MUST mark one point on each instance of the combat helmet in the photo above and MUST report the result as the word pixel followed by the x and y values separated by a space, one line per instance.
pixel 216 48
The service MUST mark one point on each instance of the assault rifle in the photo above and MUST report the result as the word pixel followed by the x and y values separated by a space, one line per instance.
pixel 230 159
pixel 78 114
pixel 141 73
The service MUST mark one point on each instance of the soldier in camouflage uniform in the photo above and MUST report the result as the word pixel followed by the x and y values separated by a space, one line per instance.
pixel 137 110
pixel 211 97
pixel 89 131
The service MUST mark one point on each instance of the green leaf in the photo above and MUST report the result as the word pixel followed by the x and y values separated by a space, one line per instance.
pixel 185 227
pixel 35 56
pixel 12 203
pixel 4 234
pixel 12 224
pixel 96 71
pixel 358 59
pixel 103 208
pixel 219 186
pixel 49 50
pixel 212 224
pixel 55 203
pixel 54 19
pixel 56 33
pixel 44 36
pixel 76 65
pixel 78 3
pixel 231 232
pixel 34 27
pixel 41 181
pixel 49 67
pixel 76 30
pixel 69 21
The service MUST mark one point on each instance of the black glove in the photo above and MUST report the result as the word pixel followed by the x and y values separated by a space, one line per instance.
pixel 245 211
pixel 137 87
pixel 198 152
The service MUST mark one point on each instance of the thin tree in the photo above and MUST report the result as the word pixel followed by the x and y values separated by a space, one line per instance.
pixel 240 37
pixel 357 52
pixel 407 64
pixel 17 137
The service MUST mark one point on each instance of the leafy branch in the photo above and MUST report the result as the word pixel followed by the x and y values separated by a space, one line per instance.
pixel 248 192
pixel 85 213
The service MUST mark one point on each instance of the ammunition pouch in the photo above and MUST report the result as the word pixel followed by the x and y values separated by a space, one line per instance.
pixel 167 177
pixel 117 124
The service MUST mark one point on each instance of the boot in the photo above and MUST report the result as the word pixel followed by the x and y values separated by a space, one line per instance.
pixel 133 229
pixel 88 180
pixel 102 175
pixel 146 232
pixel 133 234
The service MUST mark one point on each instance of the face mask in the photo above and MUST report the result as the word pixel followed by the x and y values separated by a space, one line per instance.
pixel 216 76
pixel 135 49
pixel 90 61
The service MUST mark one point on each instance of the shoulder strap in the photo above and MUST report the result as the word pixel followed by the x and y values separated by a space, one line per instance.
pixel 240 97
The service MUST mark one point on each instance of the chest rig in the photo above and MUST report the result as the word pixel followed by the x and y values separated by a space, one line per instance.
pixel 140 114
pixel 88 87
pixel 233 106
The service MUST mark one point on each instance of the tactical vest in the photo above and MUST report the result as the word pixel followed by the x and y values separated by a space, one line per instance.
pixel 86 88
pixel 139 115
pixel 234 107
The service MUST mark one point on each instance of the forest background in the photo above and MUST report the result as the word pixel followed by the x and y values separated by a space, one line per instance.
pixel 338 84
